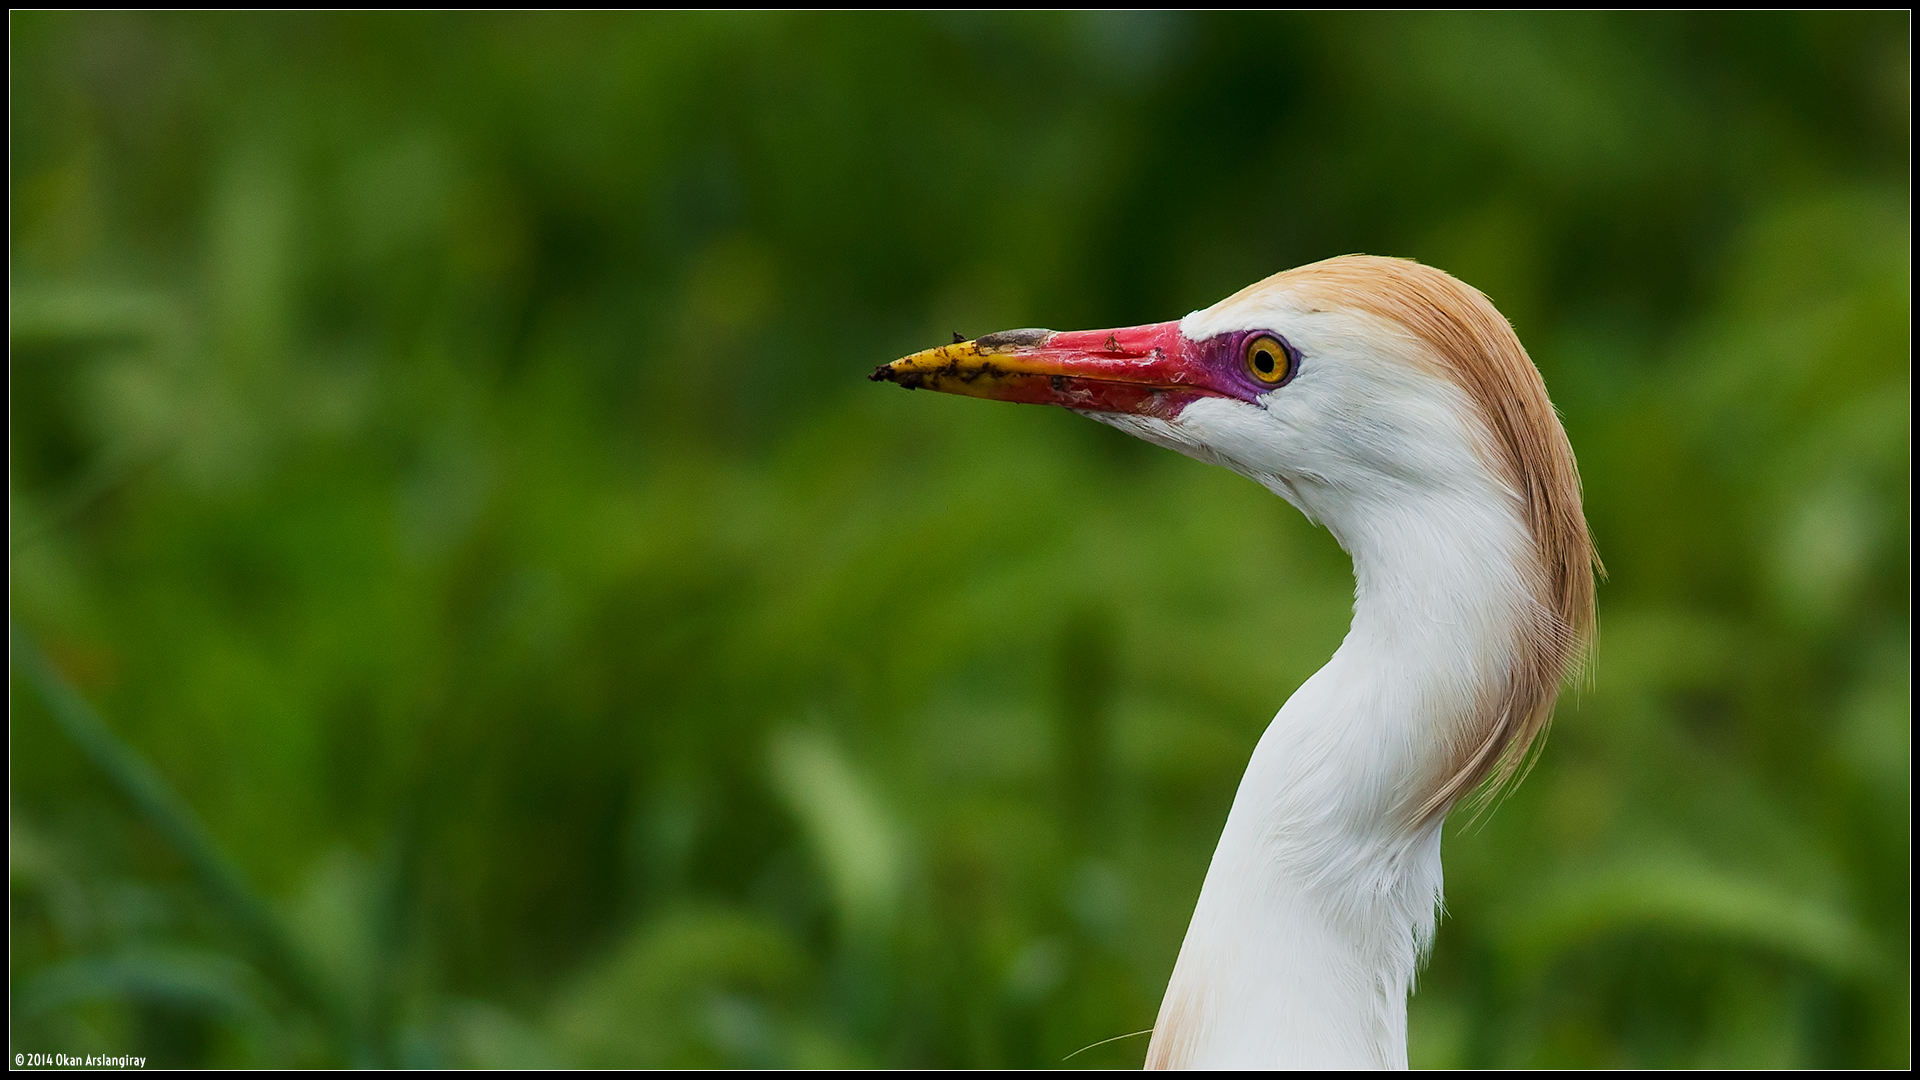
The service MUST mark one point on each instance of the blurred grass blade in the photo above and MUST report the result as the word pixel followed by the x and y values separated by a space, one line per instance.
pixel 101 477
pixel 858 846
pixel 155 799
pixel 207 984
pixel 1701 902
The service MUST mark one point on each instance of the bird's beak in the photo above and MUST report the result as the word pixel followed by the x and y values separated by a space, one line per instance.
pixel 1134 369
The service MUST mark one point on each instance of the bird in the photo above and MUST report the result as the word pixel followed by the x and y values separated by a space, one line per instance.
pixel 1393 405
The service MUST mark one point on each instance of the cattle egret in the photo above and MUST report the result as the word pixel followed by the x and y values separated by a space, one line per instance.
pixel 1392 404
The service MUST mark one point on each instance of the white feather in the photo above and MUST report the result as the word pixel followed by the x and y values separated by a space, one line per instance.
pixel 1321 897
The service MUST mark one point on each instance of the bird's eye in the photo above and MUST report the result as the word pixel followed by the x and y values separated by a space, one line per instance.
pixel 1269 360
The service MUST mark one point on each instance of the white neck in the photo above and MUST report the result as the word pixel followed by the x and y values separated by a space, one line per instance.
pixel 1320 900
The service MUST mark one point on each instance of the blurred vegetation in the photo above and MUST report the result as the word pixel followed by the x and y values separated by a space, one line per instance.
pixel 442 455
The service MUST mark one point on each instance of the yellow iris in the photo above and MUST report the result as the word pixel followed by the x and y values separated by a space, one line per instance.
pixel 1268 359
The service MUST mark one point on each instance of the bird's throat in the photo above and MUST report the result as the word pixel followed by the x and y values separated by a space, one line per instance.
pixel 1321 897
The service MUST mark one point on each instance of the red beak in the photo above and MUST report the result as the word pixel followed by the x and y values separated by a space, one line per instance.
pixel 1150 370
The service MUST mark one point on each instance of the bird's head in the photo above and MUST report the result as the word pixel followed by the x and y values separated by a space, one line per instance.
pixel 1356 388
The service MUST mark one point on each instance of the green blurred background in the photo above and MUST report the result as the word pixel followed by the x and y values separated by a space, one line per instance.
pixel 441 447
